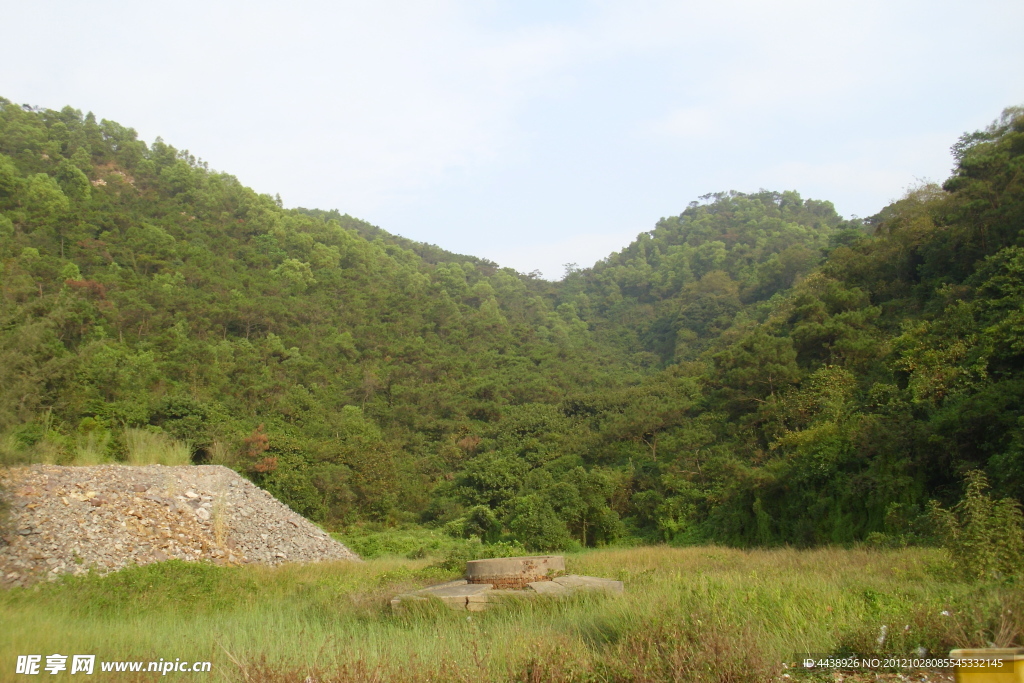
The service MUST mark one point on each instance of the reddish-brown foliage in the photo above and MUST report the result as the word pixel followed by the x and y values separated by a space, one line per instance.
pixel 469 443
pixel 88 287
pixel 257 443
pixel 97 245
pixel 254 446
pixel 266 465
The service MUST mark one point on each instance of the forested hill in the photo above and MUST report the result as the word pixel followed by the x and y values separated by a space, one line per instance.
pixel 677 288
pixel 431 253
pixel 755 370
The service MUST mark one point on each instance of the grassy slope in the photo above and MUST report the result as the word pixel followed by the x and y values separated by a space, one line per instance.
pixel 703 613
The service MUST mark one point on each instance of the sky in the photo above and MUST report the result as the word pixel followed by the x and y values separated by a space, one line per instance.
pixel 534 134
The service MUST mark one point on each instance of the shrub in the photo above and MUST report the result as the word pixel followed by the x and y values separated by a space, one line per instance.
pixel 479 521
pixel 534 523
pixel 984 537
pixel 458 556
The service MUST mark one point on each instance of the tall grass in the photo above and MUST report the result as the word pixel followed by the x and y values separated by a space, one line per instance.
pixel 10 454
pixel 221 454
pixel 41 443
pixel 91 448
pixel 700 614
pixel 94 447
pixel 155 448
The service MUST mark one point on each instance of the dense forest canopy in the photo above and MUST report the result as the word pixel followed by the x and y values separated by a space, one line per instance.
pixel 755 370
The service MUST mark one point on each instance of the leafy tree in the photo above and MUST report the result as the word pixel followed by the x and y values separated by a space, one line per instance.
pixel 72 181
pixel 535 524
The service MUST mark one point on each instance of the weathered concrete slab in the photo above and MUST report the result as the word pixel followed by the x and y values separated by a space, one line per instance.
pixel 463 590
pixel 502 593
pixel 455 594
pixel 479 601
pixel 548 588
pixel 475 597
pixel 449 584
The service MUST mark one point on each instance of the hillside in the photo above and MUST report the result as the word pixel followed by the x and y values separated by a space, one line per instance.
pixel 756 370
pixel 677 288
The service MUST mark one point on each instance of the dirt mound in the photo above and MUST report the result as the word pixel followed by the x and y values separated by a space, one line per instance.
pixel 68 520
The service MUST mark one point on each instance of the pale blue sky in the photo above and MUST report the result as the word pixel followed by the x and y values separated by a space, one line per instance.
pixel 533 133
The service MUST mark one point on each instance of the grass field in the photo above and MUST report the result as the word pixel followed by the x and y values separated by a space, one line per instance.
pixel 701 613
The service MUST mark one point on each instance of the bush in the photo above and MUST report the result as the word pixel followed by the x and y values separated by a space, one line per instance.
pixel 36 442
pixel 291 486
pixel 534 523
pixel 417 542
pixel 984 537
pixel 479 521
pixel 458 556
pixel 182 417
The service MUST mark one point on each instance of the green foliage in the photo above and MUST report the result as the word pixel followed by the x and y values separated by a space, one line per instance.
pixel 182 417
pixel 753 371
pixel 44 198
pixel 985 537
pixel 676 288
pixel 10 179
pixel 458 555
pixel 478 522
pixel 183 588
pixel 92 443
pixel 73 182
pixel 289 484
pixel 534 520
pixel 414 542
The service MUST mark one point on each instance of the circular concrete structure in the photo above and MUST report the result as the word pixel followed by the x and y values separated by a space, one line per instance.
pixel 514 572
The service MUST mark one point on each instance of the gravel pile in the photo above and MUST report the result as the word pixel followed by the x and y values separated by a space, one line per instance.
pixel 68 520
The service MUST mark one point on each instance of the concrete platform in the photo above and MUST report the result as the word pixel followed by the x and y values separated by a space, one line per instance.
pixel 547 588
pixel 455 594
pixel 476 597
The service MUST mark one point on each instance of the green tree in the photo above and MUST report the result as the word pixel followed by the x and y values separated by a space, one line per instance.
pixel 72 181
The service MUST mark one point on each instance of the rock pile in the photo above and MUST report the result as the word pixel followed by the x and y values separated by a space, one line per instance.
pixel 65 520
